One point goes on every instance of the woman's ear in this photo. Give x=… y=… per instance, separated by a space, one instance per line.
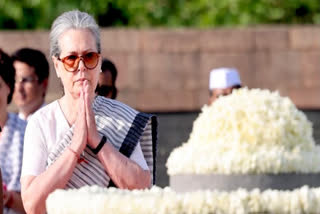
x=99 y=64
x=55 y=64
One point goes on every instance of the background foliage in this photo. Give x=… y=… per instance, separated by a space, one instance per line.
x=39 y=14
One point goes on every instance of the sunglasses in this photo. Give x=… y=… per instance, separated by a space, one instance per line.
x=104 y=90
x=71 y=62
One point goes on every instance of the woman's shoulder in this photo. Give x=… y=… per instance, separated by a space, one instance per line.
x=46 y=112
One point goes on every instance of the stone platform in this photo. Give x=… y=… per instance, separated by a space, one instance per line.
x=286 y=181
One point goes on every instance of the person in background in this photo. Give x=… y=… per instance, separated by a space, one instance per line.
x=222 y=82
x=107 y=80
x=83 y=139
x=32 y=73
x=11 y=140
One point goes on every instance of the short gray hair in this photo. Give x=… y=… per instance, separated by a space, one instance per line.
x=72 y=20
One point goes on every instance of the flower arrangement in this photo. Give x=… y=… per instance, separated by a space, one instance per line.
x=249 y=131
x=165 y=201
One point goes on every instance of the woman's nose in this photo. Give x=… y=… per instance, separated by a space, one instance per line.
x=81 y=66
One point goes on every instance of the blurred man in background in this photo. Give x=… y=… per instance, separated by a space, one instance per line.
x=222 y=82
x=107 y=80
x=32 y=73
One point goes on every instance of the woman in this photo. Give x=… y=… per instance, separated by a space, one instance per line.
x=82 y=139
x=11 y=140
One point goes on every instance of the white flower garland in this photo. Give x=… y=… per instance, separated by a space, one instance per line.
x=165 y=201
x=249 y=131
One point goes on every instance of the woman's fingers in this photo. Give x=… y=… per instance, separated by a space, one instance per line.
x=91 y=123
x=80 y=135
x=87 y=100
x=83 y=107
x=88 y=104
x=87 y=92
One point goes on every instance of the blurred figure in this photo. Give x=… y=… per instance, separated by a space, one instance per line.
x=32 y=73
x=222 y=82
x=11 y=140
x=107 y=80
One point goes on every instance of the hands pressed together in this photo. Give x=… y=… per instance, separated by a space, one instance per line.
x=85 y=130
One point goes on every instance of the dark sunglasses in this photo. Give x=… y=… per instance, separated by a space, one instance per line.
x=104 y=90
x=71 y=62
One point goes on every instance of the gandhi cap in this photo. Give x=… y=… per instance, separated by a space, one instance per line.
x=223 y=78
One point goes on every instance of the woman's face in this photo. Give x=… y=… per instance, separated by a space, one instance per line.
x=77 y=42
x=4 y=93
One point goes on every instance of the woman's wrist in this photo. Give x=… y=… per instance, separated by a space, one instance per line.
x=97 y=149
x=80 y=158
x=74 y=152
x=95 y=141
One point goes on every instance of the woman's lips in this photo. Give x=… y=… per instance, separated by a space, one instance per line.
x=80 y=81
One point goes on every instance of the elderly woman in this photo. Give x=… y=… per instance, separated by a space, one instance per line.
x=81 y=139
x=11 y=140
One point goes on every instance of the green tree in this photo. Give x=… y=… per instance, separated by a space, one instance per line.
x=34 y=14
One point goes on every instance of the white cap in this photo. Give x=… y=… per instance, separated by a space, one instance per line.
x=223 y=78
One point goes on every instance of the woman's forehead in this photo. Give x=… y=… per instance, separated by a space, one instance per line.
x=77 y=41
